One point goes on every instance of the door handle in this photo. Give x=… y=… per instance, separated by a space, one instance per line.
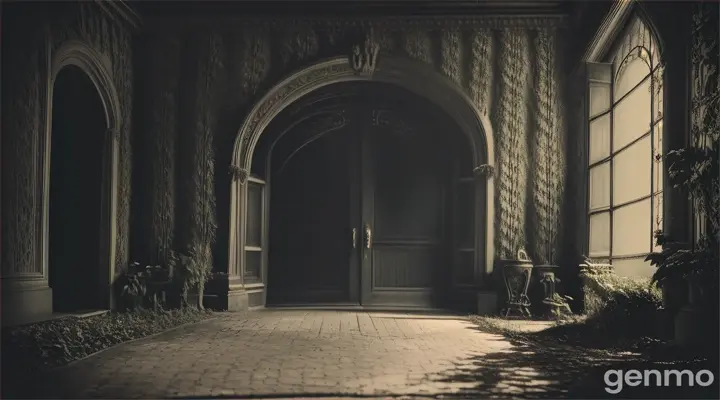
x=354 y=238
x=368 y=236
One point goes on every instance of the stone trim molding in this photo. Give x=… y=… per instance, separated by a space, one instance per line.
x=92 y=63
x=486 y=21
x=611 y=26
x=416 y=77
x=81 y=55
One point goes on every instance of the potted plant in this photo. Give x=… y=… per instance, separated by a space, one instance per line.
x=133 y=290
x=145 y=285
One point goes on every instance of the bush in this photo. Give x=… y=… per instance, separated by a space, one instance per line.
x=34 y=347
x=620 y=306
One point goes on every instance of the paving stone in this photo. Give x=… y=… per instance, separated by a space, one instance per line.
x=273 y=352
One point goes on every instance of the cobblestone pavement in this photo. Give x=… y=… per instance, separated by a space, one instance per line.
x=285 y=353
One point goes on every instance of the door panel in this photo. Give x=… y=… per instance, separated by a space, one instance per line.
x=403 y=194
x=310 y=243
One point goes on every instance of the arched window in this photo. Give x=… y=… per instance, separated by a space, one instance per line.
x=625 y=170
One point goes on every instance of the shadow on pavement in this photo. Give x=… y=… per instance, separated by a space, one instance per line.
x=537 y=370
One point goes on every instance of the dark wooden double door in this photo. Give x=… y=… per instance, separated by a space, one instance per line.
x=358 y=215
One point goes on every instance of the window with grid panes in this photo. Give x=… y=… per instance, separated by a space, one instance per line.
x=625 y=170
x=254 y=241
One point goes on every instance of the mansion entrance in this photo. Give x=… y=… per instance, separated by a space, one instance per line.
x=368 y=199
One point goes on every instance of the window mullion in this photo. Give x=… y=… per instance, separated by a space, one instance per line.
x=652 y=157
x=612 y=162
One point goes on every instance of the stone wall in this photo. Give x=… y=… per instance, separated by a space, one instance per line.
x=510 y=69
x=31 y=33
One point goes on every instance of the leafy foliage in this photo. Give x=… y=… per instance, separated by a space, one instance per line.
x=142 y=286
x=35 y=347
x=696 y=171
x=621 y=306
x=194 y=269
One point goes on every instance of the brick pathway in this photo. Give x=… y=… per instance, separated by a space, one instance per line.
x=284 y=353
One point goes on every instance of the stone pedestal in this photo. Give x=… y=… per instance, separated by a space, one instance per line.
x=237 y=299
x=228 y=293
x=23 y=299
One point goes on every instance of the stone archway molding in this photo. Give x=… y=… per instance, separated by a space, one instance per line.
x=414 y=76
x=97 y=67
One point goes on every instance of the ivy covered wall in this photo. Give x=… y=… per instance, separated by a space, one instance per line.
x=32 y=32
x=511 y=70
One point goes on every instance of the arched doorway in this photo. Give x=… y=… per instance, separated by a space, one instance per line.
x=367 y=203
x=248 y=203
x=77 y=150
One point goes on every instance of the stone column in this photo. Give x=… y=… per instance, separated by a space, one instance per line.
x=484 y=249
x=25 y=289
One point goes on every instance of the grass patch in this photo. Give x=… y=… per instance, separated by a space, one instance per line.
x=35 y=347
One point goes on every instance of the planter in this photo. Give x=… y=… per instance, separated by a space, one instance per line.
x=544 y=290
x=516 y=276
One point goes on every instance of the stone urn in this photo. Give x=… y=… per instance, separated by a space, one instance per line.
x=545 y=289
x=516 y=276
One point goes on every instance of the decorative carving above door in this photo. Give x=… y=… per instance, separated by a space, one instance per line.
x=363 y=57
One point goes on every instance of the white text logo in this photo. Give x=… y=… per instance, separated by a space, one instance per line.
x=615 y=379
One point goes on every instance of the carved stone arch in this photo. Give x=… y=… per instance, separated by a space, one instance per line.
x=96 y=66
x=414 y=76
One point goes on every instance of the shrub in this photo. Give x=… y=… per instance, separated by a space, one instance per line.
x=33 y=347
x=194 y=270
x=621 y=306
x=145 y=285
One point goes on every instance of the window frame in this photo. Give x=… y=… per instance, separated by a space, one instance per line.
x=252 y=279
x=655 y=74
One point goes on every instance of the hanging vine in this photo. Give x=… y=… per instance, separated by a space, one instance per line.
x=481 y=68
x=162 y=133
x=511 y=124
x=543 y=131
x=201 y=189
x=451 y=59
